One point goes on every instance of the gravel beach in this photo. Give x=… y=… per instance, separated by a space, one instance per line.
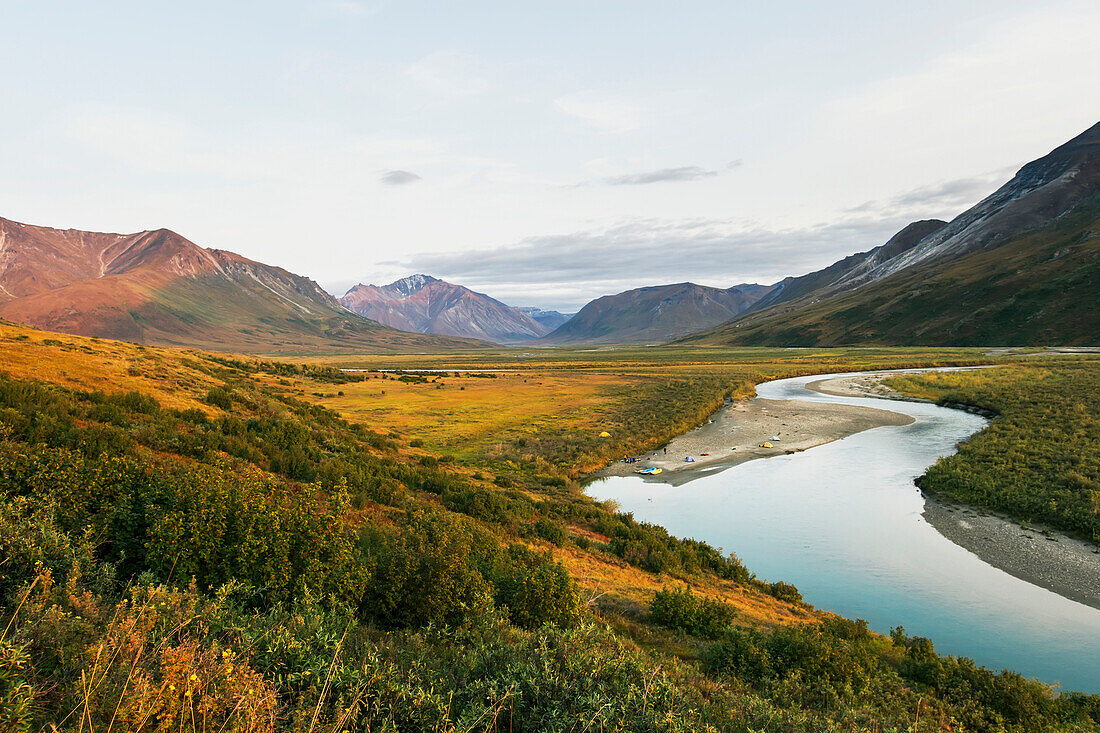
x=735 y=433
x=1041 y=556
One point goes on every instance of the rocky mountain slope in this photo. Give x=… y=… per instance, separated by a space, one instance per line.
x=156 y=287
x=425 y=304
x=1020 y=267
x=655 y=313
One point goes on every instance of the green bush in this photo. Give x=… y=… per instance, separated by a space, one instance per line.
x=680 y=609
x=785 y=592
x=536 y=590
x=551 y=531
x=220 y=397
x=427 y=573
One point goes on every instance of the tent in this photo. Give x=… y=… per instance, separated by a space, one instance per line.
x=605 y=434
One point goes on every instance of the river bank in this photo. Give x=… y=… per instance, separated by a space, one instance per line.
x=1049 y=559
x=736 y=433
x=845 y=524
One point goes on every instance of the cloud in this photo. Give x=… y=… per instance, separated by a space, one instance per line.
x=946 y=198
x=603 y=114
x=565 y=271
x=686 y=173
x=398 y=178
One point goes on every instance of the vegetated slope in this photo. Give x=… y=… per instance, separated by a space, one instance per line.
x=1039 y=288
x=656 y=313
x=157 y=287
x=1020 y=267
x=247 y=561
x=425 y=304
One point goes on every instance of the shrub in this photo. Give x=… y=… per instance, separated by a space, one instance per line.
x=536 y=590
x=551 y=531
x=427 y=572
x=680 y=609
x=785 y=592
x=220 y=397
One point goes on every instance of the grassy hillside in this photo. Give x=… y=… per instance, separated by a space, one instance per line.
x=1040 y=460
x=189 y=543
x=1039 y=288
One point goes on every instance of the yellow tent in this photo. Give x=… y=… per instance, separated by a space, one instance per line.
x=605 y=434
x=765 y=444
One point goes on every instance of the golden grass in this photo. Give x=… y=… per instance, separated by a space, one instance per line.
x=598 y=574
x=98 y=364
x=458 y=412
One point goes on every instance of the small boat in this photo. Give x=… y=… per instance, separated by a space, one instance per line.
x=652 y=471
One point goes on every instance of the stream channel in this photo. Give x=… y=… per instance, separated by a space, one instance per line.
x=843 y=522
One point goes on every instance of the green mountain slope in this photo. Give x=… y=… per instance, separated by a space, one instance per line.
x=1040 y=287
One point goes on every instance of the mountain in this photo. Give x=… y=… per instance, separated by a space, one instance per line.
x=1022 y=267
x=426 y=304
x=846 y=273
x=655 y=313
x=549 y=319
x=156 y=287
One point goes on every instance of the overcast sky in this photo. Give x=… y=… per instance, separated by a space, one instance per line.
x=543 y=152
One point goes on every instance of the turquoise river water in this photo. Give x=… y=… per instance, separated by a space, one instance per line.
x=843 y=522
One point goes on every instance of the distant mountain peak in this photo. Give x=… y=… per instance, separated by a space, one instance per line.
x=412 y=283
x=425 y=304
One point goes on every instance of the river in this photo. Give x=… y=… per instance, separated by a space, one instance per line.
x=843 y=522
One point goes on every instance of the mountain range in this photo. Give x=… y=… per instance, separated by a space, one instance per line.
x=1021 y=267
x=424 y=304
x=156 y=287
x=657 y=313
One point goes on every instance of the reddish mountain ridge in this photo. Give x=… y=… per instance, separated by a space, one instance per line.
x=426 y=304
x=158 y=287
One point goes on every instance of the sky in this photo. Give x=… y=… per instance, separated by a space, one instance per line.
x=545 y=153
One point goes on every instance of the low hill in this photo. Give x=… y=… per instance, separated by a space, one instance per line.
x=425 y=304
x=1022 y=267
x=655 y=313
x=156 y=287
